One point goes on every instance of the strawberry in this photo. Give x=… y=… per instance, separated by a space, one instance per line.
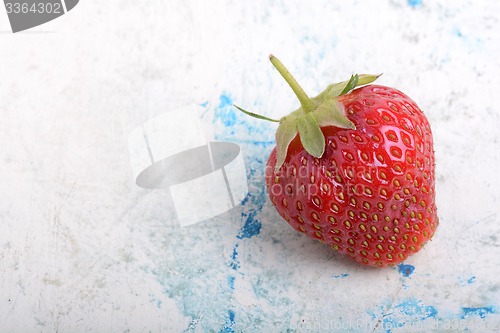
x=354 y=168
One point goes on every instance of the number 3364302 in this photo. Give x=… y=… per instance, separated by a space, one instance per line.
x=34 y=8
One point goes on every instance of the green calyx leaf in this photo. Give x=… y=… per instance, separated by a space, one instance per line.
x=351 y=84
x=338 y=89
x=255 y=115
x=311 y=136
x=286 y=132
x=314 y=113
x=331 y=113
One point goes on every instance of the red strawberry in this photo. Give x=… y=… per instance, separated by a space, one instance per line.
x=355 y=170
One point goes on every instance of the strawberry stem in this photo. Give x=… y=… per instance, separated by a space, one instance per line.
x=307 y=104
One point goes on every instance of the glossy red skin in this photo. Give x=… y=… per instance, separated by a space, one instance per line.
x=371 y=195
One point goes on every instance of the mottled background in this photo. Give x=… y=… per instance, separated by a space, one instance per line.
x=83 y=249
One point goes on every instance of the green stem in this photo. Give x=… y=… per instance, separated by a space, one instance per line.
x=305 y=101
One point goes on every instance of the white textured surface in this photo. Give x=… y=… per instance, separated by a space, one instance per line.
x=82 y=249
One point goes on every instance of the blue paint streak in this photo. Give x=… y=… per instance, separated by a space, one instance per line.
x=481 y=311
x=228 y=326
x=406 y=270
x=471 y=280
x=254 y=142
x=343 y=275
x=234 y=263
x=414 y=3
x=232 y=124
x=230 y=281
x=204 y=104
x=255 y=202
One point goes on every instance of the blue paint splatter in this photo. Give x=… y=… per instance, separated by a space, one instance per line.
x=234 y=256
x=228 y=326
x=464 y=282
x=406 y=270
x=343 y=275
x=237 y=127
x=414 y=3
x=403 y=313
x=225 y=112
x=414 y=307
x=481 y=311
x=204 y=104
x=252 y=225
x=225 y=101
x=410 y=311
